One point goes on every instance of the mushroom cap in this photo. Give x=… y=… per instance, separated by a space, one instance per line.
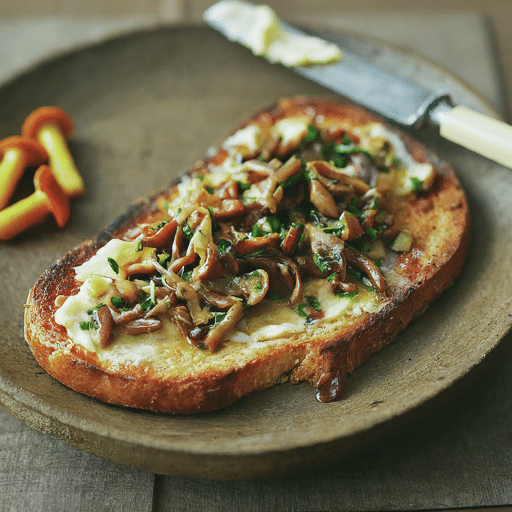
x=34 y=152
x=39 y=117
x=59 y=204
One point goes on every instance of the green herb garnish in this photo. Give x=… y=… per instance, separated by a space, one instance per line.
x=331 y=277
x=314 y=303
x=353 y=209
x=256 y=231
x=187 y=275
x=371 y=233
x=223 y=246
x=87 y=326
x=242 y=187
x=113 y=265
x=321 y=263
x=274 y=223
x=300 y=310
x=218 y=317
x=117 y=301
x=291 y=180
x=311 y=135
x=187 y=231
x=146 y=303
x=417 y=185
x=164 y=259
x=336 y=228
x=347 y=295
x=310 y=174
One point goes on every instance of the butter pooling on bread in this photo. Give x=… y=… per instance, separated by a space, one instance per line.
x=295 y=250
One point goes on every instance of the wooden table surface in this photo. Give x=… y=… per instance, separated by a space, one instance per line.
x=459 y=458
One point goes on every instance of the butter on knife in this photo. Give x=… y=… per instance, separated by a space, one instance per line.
x=258 y=28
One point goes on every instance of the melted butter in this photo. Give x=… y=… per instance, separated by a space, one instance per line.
x=258 y=28
x=248 y=138
x=74 y=311
x=292 y=129
x=270 y=322
x=123 y=252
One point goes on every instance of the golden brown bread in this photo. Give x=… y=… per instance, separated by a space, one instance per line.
x=166 y=371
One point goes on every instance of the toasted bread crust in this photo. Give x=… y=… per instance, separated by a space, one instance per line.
x=438 y=220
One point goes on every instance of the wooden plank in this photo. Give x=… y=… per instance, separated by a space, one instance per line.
x=458 y=458
x=39 y=473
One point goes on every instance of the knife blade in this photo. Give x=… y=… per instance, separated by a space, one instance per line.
x=402 y=101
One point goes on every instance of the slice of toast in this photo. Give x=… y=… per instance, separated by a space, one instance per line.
x=299 y=247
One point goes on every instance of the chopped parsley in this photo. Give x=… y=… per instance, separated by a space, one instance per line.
x=331 y=277
x=256 y=231
x=146 y=303
x=300 y=310
x=274 y=223
x=218 y=317
x=118 y=302
x=310 y=174
x=291 y=180
x=223 y=246
x=311 y=135
x=347 y=295
x=187 y=231
x=371 y=233
x=187 y=275
x=417 y=185
x=339 y=153
x=87 y=326
x=321 y=263
x=242 y=187
x=113 y=265
x=314 y=302
x=337 y=228
x=353 y=209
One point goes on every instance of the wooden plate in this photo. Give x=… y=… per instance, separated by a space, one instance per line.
x=148 y=105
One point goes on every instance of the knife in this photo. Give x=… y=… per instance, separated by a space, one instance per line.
x=404 y=102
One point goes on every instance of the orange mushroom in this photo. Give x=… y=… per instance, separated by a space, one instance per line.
x=51 y=126
x=48 y=198
x=16 y=154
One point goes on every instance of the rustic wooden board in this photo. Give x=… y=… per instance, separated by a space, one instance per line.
x=453 y=459
x=43 y=474
x=147 y=102
x=421 y=471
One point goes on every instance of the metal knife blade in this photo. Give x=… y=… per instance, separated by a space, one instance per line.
x=404 y=102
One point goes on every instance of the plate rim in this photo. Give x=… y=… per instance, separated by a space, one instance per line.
x=16 y=406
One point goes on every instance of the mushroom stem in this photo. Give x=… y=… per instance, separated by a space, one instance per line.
x=11 y=170
x=23 y=214
x=61 y=161
x=18 y=154
x=47 y=198
x=52 y=127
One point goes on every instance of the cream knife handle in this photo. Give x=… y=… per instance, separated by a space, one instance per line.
x=478 y=132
